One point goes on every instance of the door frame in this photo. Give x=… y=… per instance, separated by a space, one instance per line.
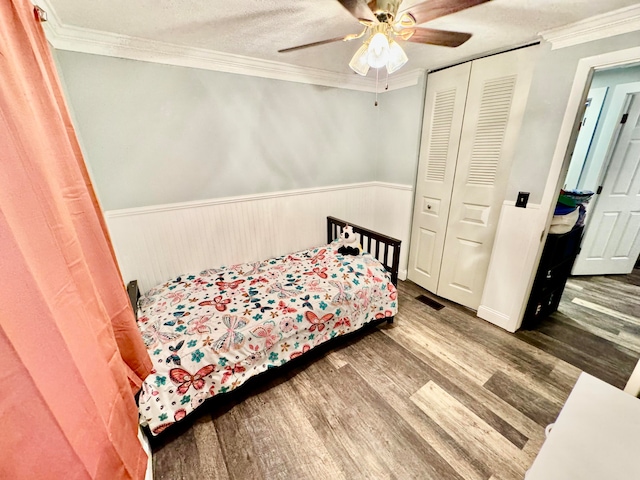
x=609 y=126
x=598 y=100
x=562 y=157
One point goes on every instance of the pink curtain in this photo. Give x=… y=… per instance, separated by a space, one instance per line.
x=72 y=357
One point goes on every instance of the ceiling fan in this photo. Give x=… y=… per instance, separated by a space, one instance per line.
x=384 y=23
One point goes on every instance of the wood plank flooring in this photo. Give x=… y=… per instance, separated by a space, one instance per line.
x=437 y=395
x=596 y=327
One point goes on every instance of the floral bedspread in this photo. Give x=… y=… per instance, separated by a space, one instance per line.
x=208 y=333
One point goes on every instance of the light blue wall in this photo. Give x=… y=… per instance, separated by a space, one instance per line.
x=155 y=134
x=400 y=127
x=604 y=78
x=615 y=76
x=546 y=105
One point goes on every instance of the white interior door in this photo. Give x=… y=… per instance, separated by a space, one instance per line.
x=611 y=244
x=496 y=99
x=443 y=114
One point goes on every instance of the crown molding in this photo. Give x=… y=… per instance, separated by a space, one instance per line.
x=84 y=40
x=608 y=24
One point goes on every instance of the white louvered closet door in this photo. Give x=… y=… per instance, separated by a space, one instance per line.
x=496 y=98
x=443 y=114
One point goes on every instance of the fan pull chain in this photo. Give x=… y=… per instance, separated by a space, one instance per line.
x=377 y=72
x=387 y=81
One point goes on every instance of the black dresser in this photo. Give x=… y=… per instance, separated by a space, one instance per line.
x=558 y=256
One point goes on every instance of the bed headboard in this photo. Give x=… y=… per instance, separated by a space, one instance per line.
x=383 y=245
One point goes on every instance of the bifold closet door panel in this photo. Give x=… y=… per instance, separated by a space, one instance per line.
x=496 y=99
x=443 y=115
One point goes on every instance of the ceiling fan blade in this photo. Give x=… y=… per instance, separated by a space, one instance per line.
x=359 y=9
x=314 y=44
x=432 y=9
x=435 y=37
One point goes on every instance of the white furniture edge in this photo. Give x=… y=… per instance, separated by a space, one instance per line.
x=84 y=40
x=246 y=198
x=146 y=446
x=595 y=436
x=633 y=384
x=608 y=24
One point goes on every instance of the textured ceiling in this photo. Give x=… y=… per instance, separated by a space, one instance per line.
x=259 y=28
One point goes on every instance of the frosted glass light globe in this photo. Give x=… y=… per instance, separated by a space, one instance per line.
x=397 y=57
x=378 y=51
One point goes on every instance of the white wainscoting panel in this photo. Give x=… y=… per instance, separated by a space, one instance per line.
x=393 y=209
x=154 y=244
x=516 y=245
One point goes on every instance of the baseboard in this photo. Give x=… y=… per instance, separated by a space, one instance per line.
x=495 y=317
x=402 y=274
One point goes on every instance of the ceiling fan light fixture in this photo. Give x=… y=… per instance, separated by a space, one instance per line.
x=378 y=50
x=397 y=57
x=359 y=62
x=406 y=20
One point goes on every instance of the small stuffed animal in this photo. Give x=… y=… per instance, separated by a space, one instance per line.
x=350 y=244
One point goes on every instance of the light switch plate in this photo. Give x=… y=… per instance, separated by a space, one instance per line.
x=523 y=199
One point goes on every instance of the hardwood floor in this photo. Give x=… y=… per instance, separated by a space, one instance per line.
x=440 y=394
x=596 y=327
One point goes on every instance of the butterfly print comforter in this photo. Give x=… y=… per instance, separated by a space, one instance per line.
x=210 y=332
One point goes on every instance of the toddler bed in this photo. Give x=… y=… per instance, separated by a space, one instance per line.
x=209 y=332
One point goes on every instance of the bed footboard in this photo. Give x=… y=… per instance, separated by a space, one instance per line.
x=134 y=295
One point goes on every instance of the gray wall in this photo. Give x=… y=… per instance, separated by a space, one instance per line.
x=400 y=128
x=155 y=134
x=548 y=98
x=615 y=76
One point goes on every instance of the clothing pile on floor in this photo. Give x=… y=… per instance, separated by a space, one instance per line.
x=570 y=211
